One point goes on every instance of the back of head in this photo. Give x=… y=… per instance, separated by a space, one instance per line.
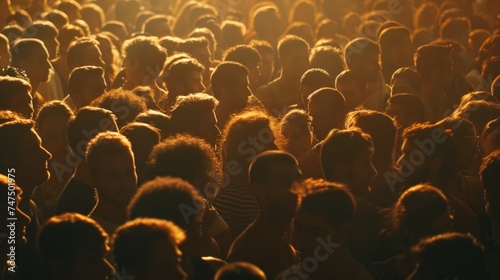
x=358 y=49
x=451 y=256
x=244 y=54
x=23 y=50
x=123 y=103
x=341 y=147
x=290 y=43
x=328 y=58
x=495 y=87
x=80 y=77
x=430 y=57
x=262 y=164
x=75 y=50
x=410 y=103
x=147 y=51
x=316 y=78
x=134 y=242
x=331 y=201
x=225 y=74
x=491 y=69
x=11 y=134
x=479 y=112
x=88 y=122
x=62 y=238
x=52 y=108
x=411 y=77
x=41 y=30
x=188 y=111
x=10 y=87
x=178 y=71
x=331 y=98
x=239 y=271
x=168 y=198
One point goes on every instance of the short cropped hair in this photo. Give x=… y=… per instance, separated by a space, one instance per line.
x=243 y=54
x=259 y=169
x=358 y=48
x=289 y=43
x=79 y=77
x=62 y=238
x=9 y=87
x=430 y=57
x=147 y=51
x=185 y=115
x=225 y=74
x=123 y=103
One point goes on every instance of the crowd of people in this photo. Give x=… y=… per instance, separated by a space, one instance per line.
x=248 y=139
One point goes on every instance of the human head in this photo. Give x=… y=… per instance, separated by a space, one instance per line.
x=479 y=112
x=250 y=58
x=491 y=68
x=147 y=249
x=296 y=132
x=93 y=14
x=111 y=165
x=32 y=56
x=495 y=87
x=233 y=33
x=435 y=66
x=47 y=32
x=195 y=114
x=71 y=9
x=421 y=211
x=267 y=23
x=406 y=80
x=57 y=17
x=230 y=85
x=21 y=149
x=272 y=174
x=406 y=109
x=73 y=246
x=267 y=54
x=449 y=256
x=156 y=119
x=352 y=88
x=51 y=125
x=396 y=49
x=84 y=51
x=361 y=56
x=327 y=111
x=15 y=95
x=144 y=59
x=382 y=130
x=5 y=55
x=346 y=157
x=327 y=58
x=312 y=80
x=67 y=34
x=198 y=48
x=477 y=95
x=157 y=25
x=123 y=103
x=183 y=77
x=85 y=125
x=85 y=84
x=489 y=140
x=293 y=53
x=489 y=174
x=174 y=200
x=239 y=271
x=456 y=28
x=126 y=11
x=325 y=213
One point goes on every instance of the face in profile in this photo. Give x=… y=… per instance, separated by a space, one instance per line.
x=32 y=161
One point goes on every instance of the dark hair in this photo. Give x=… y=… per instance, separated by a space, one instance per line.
x=167 y=198
x=243 y=54
x=316 y=78
x=359 y=48
x=10 y=87
x=288 y=44
x=410 y=76
x=225 y=74
x=50 y=109
x=429 y=58
x=75 y=49
x=41 y=29
x=133 y=242
x=186 y=114
x=332 y=201
x=156 y=119
x=62 y=238
x=411 y=103
x=178 y=72
x=147 y=51
x=23 y=50
x=260 y=167
x=479 y=112
x=123 y=103
x=79 y=77
x=328 y=58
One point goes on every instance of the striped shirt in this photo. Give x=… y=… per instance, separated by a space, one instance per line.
x=237 y=206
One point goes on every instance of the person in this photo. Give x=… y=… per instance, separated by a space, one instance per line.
x=199 y=49
x=352 y=88
x=85 y=84
x=47 y=32
x=347 y=158
x=15 y=95
x=327 y=58
x=157 y=25
x=143 y=138
x=111 y=165
x=266 y=52
x=449 y=256
x=406 y=80
x=420 y=212
x=322 y=226
x=435 y=66
x=5 y=55
x=73 y=246
x=487 y=140
x=439 y=168
x=182 y=77
x=51 y=125
x=194 y=114
x=284 y=91
x=267 y=24
x=272 y=175
x=79 y=195
x=312 y=80
x=148 y=249
x=361 y=57
x=396 y=50
x=194 y=160
x=231 y=88
x=177 y=201
x=244 y=137
x=10 y=195
x=382 y=130
x=250 y=58
x=489 y=177
x=240 y=271
x=143 y=62
x=296 y=132
x=32 y=56
x=326 y=110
